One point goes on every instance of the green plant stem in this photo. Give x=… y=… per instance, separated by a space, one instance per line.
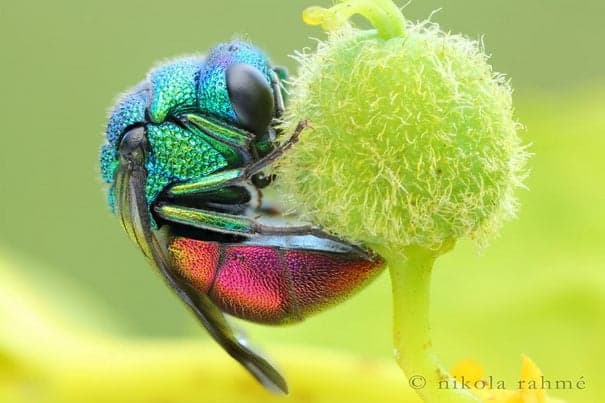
x=410 y=280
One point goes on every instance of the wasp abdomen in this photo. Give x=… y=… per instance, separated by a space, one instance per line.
x=267 y=284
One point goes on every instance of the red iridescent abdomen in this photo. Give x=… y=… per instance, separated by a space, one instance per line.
x=269 y=284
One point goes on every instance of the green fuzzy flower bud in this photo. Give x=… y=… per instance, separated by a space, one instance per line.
x=413 y=139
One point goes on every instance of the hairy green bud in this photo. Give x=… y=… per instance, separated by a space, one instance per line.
x=412 y=139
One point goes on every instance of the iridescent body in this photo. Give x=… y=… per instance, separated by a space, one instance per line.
x=269 y=284
x=183 y=158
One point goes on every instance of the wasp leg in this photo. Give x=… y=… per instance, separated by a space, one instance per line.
x=132 y=208
x=234 y=177
x=219 y=131
x=208 y=184
x=206 y=219
x=277 y=152
x=237 y=224
x=229 y=223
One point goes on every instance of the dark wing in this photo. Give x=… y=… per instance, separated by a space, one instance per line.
x=132 y=209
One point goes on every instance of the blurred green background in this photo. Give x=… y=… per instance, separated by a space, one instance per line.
x=538 y=289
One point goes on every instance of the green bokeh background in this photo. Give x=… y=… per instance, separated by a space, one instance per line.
x=538 y=289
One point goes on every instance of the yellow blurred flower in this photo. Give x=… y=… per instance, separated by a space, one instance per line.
x=529 y=384
x=47 y=356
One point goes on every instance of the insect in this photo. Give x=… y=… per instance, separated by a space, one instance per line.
x=184 y=157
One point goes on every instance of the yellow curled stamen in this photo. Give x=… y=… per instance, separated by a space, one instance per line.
x=382 y=14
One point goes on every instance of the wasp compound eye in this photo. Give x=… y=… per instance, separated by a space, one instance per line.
x=250 y=96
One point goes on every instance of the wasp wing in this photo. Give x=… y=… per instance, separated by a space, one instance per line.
x=132 y=209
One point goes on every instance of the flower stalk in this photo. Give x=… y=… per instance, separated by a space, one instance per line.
x=410 y=281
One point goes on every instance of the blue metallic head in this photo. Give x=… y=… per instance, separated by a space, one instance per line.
x=233 y=86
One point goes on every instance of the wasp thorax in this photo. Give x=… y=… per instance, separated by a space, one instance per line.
x=413 y=140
